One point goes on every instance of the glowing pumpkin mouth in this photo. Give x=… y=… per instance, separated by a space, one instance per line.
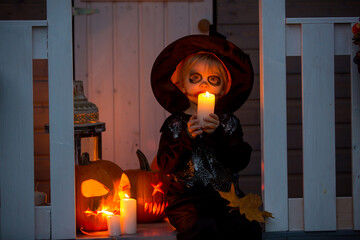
x=154 y=208
x=89 y=212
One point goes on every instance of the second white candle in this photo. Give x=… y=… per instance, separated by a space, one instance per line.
x=128 y=215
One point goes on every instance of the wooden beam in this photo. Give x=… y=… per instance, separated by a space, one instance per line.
x=273 y=112
x=61 y=119
x=318 y=127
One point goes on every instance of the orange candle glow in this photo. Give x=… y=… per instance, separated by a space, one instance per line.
x=206 y=105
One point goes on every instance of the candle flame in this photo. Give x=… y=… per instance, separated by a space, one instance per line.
x=126 y=196
x=207 y=94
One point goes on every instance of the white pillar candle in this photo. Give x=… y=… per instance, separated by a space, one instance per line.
x=206 y=105
x=128 y=215
x=113 y=223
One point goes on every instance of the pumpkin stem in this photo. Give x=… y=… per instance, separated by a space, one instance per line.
x=144 y=163
x=85 y=159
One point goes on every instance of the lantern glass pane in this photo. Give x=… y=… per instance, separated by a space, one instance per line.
x=90 y=145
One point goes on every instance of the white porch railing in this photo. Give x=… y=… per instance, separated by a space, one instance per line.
x=20 y=42
x=316 y=40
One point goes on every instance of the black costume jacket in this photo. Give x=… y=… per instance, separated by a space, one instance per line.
x=208 y=160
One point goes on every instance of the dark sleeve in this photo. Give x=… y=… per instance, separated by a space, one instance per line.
x=232 y=151
x=174 y=149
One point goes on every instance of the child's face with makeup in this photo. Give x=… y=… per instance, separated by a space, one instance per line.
x=201 y=78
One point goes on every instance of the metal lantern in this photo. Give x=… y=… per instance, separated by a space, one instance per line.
x=87 y=128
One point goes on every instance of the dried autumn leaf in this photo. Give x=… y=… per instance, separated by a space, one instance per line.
x=231 y=197
x=248 y=205
x=267 y=214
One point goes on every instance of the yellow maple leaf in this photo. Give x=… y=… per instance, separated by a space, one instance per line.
x=248 y=205
x=231 y=197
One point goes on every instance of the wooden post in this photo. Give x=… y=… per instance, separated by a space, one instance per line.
x=273 y=112
x=318 y=127
x=355 y=136
x=61 y=119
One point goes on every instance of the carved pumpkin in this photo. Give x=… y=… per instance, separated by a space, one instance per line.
x=149 y=187
x=99 y=187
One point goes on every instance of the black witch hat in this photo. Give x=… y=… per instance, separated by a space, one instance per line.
x=236 y=61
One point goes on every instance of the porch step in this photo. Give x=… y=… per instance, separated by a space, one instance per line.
x=148 y=231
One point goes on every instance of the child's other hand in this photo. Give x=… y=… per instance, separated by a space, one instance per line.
x=193 y=127
x=211 y=123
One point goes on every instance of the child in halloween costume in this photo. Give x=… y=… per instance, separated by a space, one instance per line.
x=202 y=160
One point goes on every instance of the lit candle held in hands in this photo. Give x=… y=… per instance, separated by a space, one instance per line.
x=206 y=105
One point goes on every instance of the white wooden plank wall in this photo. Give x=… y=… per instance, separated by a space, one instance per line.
x=115 y=59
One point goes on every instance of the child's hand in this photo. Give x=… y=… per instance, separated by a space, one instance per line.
x=193 y=127
x=211 y=123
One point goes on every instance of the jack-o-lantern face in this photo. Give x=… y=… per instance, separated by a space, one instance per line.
x=149 y=187
x=99 y=187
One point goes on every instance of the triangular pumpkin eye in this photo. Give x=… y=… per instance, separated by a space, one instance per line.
x=124 y=186
x=93 y=188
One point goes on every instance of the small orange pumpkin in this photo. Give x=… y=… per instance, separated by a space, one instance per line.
x=149 y=187
x=99 y=186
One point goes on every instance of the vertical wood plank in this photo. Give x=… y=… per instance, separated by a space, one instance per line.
x=355 y=136
x=61 y=119
x=176 y=12
x=293 y=40
x=126 y=84
x=151 y=43
x=318 y=127
x=136 y=33
x=273 y=112
x=296 y=214
x=200 y=10
x=342 y=34
x=17 y=136
x=80 y=46
x=101 y=71
x=42 y=222
x=39 y=41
